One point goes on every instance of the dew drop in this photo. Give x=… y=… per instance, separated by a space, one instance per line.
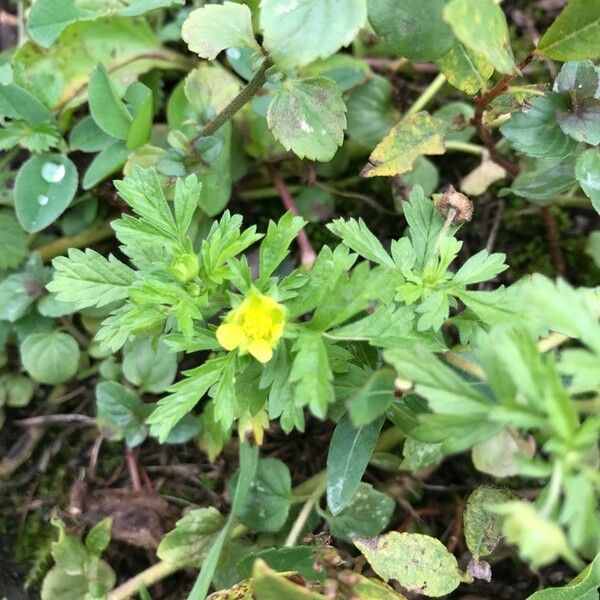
x=234 y=53
x=53 y=172
x=42 y=200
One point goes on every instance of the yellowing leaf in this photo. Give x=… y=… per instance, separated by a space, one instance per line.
x=270 y=585
x=414 y=136
x=418 y=562
x=465 y=69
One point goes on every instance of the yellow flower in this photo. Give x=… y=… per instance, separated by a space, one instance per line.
x=255 y=326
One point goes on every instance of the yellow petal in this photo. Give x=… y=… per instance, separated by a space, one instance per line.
x=230 y=336
x=261 y=350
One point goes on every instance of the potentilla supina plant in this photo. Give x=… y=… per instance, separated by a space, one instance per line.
x=254 y=327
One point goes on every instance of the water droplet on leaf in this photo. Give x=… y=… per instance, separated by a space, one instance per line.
x=43 y=200
x=53 y=172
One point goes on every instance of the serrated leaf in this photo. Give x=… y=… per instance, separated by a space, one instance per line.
x=481 y=26
x=213 y=28
x=414 y=29
x=414 y=136
x=51 y=357
x=44 y=188
x=308 y=117
x=106 y=107
x=483 y=528
x=184 y=395
x=274 y=247
x=535 y=132
x=14 y=243
x=297 y=33
x=358 y=237
x=587 y=171
x=464 y=69
x=349 y=452
x=189 y=542
x=574 y=33
x=311 y=374
x=480 y=267
x=88 y=279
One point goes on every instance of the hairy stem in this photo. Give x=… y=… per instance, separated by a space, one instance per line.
x=247 y=93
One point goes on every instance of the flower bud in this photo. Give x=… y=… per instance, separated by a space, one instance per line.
x=185 y=267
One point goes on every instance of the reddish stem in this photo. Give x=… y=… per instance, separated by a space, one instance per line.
x=307 y=254
x=132 y=467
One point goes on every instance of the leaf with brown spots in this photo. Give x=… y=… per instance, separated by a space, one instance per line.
x=418 y=562
x=414 y=136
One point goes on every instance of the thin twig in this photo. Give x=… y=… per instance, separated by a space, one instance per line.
x=553 y=237
x=132 y=467
x=47 y=419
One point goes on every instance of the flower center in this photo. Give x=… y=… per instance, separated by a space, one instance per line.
x=257 y=325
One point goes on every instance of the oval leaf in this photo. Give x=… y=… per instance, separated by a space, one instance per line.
x=51 y=357
x=44 y=188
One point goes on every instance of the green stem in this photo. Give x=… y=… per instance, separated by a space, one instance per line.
x=428 y=94
x=554 y=490
x=149 y=577
x=464 y=147
x=81 y=240
x=303 y=515
x=574 y=201
x=247 y=93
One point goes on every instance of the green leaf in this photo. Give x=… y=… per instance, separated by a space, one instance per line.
x=51 y=357
x=547 y=179
x=587 y=171
x=412 y=137
x=444 y=389
x=419 y=455
x=88 y=279
x=358 y=237
x=59 y=584
x=349 y=452
x=371 y=400
x=374 y=589
x=267 y=503
x=14 y=243
x=140 y=7
x=143 y=192
x=88 y=137
x=224 y=395
x=419 y=563
x=269 y=585
x=371 y=111
x=106 y=107
x=15 y=297
x=121 y=410
x=483 y=528
x=414 y=29
x=368 y=513
x=298 y=33
x=465 y=69
x=18 y=103
x=184 y=395
x=583 y=587
x=98 y=537
x=480 y=267
x=308 y=117
x=580 y=78
x=44 y=188
x=190 y=541
x=248 y=466
x=311 y=374
x=49 y=18
x=210 y=86
x=274 y=247
x=148 y=365
x=582 y=121
x=110 y=160
x=481 y=26
x=214 y=28
x=574 y=33
x=300 y=559
x=535 y=131
x=139 y=97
